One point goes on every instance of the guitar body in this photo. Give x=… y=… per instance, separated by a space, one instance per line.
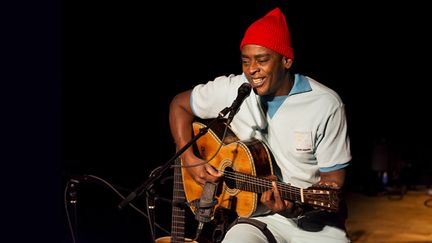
x=249 y=157
x=167 y=239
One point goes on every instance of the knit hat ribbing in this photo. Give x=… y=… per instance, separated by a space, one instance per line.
x=270 y=31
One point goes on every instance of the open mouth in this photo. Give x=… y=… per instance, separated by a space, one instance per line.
x=257 y=82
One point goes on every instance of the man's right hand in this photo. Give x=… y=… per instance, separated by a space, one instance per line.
x=201 y=173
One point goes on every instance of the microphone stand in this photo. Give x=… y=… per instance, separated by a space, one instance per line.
x=147 y=185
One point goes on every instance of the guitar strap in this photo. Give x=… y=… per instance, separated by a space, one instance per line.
x=314 y=220
x=223 y=218
x=260 y=225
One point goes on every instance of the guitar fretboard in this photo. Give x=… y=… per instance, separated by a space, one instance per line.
x=178 y=212
x=251 y=183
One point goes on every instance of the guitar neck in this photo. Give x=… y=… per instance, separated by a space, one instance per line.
x=178 y=212
x=318 y=197
x=255 y=184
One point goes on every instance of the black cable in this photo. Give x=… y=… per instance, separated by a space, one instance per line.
x=71 y=228
x=123 y=197
x=70 y=224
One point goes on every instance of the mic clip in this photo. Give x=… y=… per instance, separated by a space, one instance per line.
x=224 y=112
x=204 y=210
x=205 y=205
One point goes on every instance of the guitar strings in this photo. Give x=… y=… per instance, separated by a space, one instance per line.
x=259 y=182
x=178 y=213
x=286 y=190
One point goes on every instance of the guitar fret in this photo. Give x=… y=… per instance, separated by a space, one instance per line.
x=301 y=196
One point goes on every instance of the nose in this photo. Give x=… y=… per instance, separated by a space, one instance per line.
x=253 y=67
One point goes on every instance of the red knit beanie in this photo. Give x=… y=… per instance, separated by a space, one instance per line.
x=270 y=31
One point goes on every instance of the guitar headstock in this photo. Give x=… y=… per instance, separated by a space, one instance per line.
x=322 y=197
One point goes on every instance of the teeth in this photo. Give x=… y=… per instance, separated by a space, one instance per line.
x=257 y=81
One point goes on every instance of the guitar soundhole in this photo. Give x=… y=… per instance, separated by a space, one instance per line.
x=229 y=181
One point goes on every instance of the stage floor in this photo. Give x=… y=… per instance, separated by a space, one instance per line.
x=384 y=217
x=390 y=217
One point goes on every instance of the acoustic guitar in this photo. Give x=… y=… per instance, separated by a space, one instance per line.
x=178 y=212
x=244 y=165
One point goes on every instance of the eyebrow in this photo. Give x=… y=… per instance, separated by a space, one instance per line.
x=258 y=55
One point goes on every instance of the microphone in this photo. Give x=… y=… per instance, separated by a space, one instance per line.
x=243 y=91
x=205 y=208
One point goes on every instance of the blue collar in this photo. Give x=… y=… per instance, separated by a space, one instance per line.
x=272 y=104
x=301 y=85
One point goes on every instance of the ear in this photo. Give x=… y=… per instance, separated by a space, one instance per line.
x=287 y=62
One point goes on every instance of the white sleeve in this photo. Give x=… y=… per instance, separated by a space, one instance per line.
x=208 y=99
x=334 y=145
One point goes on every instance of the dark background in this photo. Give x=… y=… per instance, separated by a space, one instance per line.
x=108 y=71
x=123 y=63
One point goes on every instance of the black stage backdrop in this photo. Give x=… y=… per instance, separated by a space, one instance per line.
x=122 y=62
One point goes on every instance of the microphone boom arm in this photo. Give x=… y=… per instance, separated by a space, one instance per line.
x=157 y=173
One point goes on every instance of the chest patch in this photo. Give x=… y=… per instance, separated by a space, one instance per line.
x=303 y=142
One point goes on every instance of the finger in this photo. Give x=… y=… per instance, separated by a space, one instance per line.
x=271 y=177
x=288 y=204
x=213 y=172
x=329 y=184
x=199 y=181
x=334 y=185
x=275 y=191
x=266 y=197
x=279 y=205
x=211 y=178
